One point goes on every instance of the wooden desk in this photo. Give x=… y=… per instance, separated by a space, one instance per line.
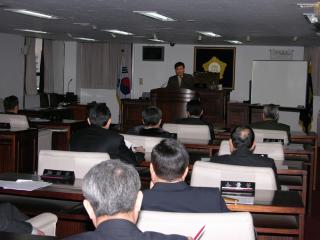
x=64 y=130
x=63 y=200
x=275 y=202
x=18 y=150
x=54 y=114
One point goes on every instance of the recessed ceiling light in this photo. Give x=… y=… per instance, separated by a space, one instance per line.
x=116 y=31
x=156 y=40
x=306 y=5
x=155 y=15
x=209 y=34
x=85 y=39
x=31 y=13
x=311 y=17
x=31 y=30
x=234 y=41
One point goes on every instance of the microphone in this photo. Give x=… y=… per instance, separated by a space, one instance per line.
x=69 y=83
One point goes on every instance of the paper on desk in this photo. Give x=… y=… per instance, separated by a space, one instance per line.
x=24 y=185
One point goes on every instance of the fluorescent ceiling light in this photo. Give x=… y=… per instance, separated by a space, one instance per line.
x=116 y=31
x=209 y=34
x=156 y=40
x=234 y=41
x=32 y=31
x=31 y=13
x=306 y=5
x=85 y=39
x=155 y=15
x=311 y=17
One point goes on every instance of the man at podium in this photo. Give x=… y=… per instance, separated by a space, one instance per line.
x=181 y=79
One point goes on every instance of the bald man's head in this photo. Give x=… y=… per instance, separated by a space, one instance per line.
x=242 y=136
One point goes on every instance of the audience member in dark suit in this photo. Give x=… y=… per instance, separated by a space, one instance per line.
x=270 y=117
x=151 y=119
x=11 y=105
x=169 y=192
x=195 y=112
x=242 y=144
x=98 y=138
x=181 y=79
x=12 y=220
x=113 y=201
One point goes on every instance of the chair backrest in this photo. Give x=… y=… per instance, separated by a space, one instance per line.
x=185 y=131
x=208 y=174
x=32 y=101
x=264 y=135
x=15 y=120
x=226 y=226
x=274 y=150
x=79 y=162
x=147 y=142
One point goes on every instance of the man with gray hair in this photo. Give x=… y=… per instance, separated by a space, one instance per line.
x=270 y=118
x=112 y=201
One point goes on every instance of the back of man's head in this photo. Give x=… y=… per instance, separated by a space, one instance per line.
x=271 y=112
x=98 y=114
x=169 y=159
x=151 y=116
x=242 y=136
x=111 y=187
x=10 y=103
x=194 y=108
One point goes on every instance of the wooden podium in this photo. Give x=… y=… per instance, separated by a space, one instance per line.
x=173 y=104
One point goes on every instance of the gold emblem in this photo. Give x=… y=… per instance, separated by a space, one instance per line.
x=214 y=65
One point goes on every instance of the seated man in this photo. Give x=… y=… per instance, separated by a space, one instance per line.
x=270 y=118
x=12 y=220
x=113 y=201
x=151 y=119
x=242 y=144
x=169 y=192
x=98 y=138
x=11 y=105
x=195 y=112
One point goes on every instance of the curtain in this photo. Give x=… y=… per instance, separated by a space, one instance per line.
x=30 y=67
x=312 y=54
x=53 y=52
x=48 y=62
x=98 y=64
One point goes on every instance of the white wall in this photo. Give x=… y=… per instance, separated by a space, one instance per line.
x=11 y=66
x=154 y=74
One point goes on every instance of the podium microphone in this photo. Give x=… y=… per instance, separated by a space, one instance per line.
x=69 y=84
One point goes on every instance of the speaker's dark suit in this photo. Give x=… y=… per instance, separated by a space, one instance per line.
x=244 y=157
x=180 y=197
x=98 y=139
x=118 y=229
x=197 y=121
x=187 y=82
x=12 y=220
x=151 y=132
x=272 y=125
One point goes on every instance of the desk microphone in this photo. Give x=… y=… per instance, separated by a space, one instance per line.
x=69 y=84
